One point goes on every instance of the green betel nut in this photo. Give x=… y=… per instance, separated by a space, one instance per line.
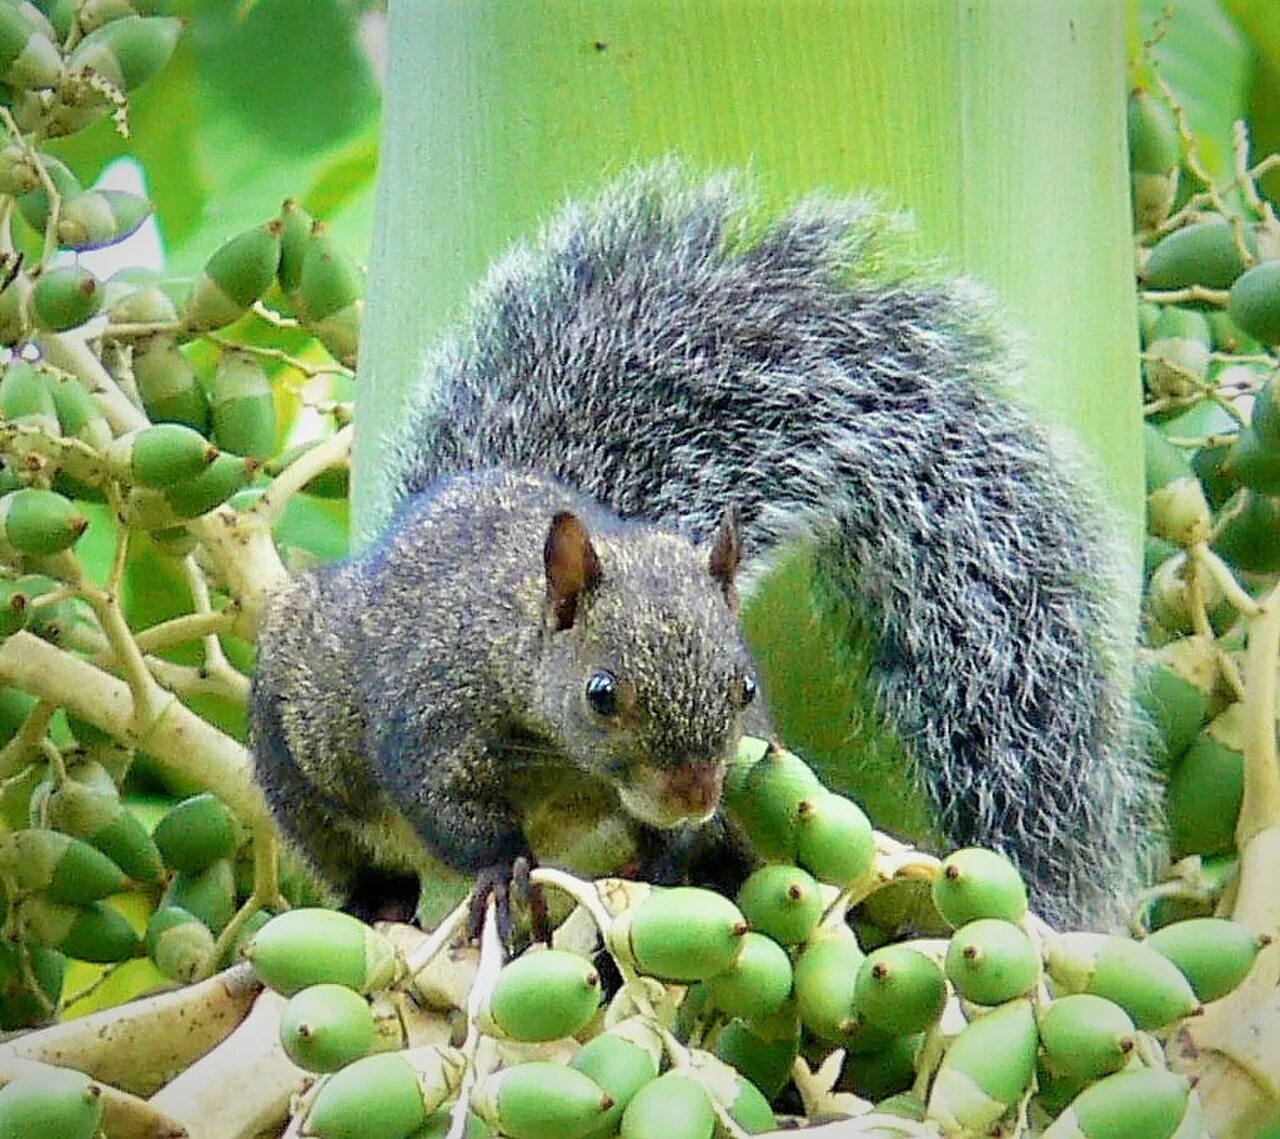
x=387 y=1094
x=757 y=983
x=233 y=278
x=990 y=961
x=1175 y=684
x=295 y=234
x=1145 y=1104
x=219 y=481
x=740 y=1098
x=99 y=218
x=621 y=1061
x=66 y=869
x=162 y=455
x=899 y=990
x=985 y=1071
x=100 y=934
x=681 y=934
x=167 y=383
x=58 y=1103
x=541 y=1100
x=544 y=996
x=976 y=883
x=766 y=799
x=210 y=893
x=28 y=58
x=834 y=839
x=1085 y=1037
x=1254 y=304
x=65 y=297
x=674 y=1106
x=313 y=946
x=326 y=1027
x=1206 y=788
x=1214 y=954
x=197 y=832
x=242 y=407
x=129 y=51
x=826 y=973
x=97 y=815
x=1204 y=253
x=782 y=902
x=180 y=945
x=26 y=396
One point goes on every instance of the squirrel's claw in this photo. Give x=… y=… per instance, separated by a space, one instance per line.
x=502 y=883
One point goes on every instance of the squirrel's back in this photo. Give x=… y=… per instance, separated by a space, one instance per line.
x=667 y=351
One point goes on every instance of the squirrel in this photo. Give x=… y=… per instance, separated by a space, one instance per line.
x=651 y=360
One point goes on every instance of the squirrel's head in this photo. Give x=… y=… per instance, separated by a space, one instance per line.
x=647 y=676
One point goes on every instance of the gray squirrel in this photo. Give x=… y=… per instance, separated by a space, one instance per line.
x=660 y=356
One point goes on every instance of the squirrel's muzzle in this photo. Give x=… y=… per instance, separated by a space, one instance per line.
x=670 y=797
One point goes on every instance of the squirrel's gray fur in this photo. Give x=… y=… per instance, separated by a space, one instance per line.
x=668 y=351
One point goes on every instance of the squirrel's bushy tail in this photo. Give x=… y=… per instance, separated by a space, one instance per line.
x=669 y=351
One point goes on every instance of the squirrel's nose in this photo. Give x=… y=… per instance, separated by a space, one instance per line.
x=694 y=788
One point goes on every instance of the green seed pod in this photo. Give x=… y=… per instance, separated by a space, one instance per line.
x=1265 y=417
x=757 y=983
x=1147 y=1103
x=1253 y=463
x=100 y=934
x=1146 y=985
x=1254 y=304
x=740 y=1098
x=899 y=990
x=233 y=278
x=1085 y=1037
x=13 y=608
x=543 y=996
x=826 y=973
x=1250 y=537
x=34 y=205
x=311 y=946
x=885 y=1071
x=990 y=961
x=79 y=414
x=1176 y=362
x=621 y=1061
x=1175 y=684
x=976 y=883
x=28 y=58
x=328 y=296
x=243 y=409
x=223 y=477
x=99 y=218
x=210 y=894
x=540 y=1100
x=834 y=839
x=680 y=934
x=326 y=1027
x=781 y=901
x=1155 y=152
x=65 y=297
x=1176 y=506
x=295 y=236
x=18 y=173
x=674 y=1106
x=44 y=922
x=198 y=832
x=1206 y=788
x=26 y=396
x=765 y=1060
x=766 y=800
x=985 y=1071
x=179 y=944
x=1203 y=253
x=58 y=1102
x=167 y=383
x=1214 y=954
x=30 y=984
x=162 y=455
x=389 y=1093
x=102 y=820
x=66 y=869
x=129 y=51
x=144 y=304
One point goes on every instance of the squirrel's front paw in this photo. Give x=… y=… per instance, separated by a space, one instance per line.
x=503 y=883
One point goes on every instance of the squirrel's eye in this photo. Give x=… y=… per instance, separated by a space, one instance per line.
x=748 y=688
x=602 y=693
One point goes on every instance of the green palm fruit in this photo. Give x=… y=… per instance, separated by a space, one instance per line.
x=44 y=922
x=57 y=623
x=1176 y=361
x=985 y=1071
x=235 y=277
x=1176 y=682
x=100 y=934
x=66 y=869
x=763 y=1050
x=1146 y=985
x=884 y=1071
x=1155 y=153
x=834 y=839
x=1176 y=506
x=781 y=901
x=1253 y=463
x=101 y=819
x=1265 y=416
x=744 y=1103
x=825 y=975
x=313 y=946
x=242 y=407
x=385 y=1096
x=65 y=297
x=26 y=396
x=680 y=934
x=1206 y=788
x=326 y=1027
x=197 y=832
x=28 y=58
x=235 y=951
x=1085 y=1037
x=13 y=608
x=899 y=990
x=976 y=883
x=167 y=383
x=22 y=966
x=179 y=944
x=15 y=316
x=18 y=173
x=1214 y=954
x=621 y=1061
x=34 y=205
x=1254 y=304
x=162 y=455
x=543 y=996
x=99 y=218
x=1202 y=253
x=129 y=51
x=58 y=1102
x=79 y=414
x=541 y=1100
x=142 y=304
x=328 y=296
x=757 y=983
x=295 y=235
x=1249 y=537
x=221 y=479
x=1148 y=1103
x=990 y=961
x=674 y=1106
x=210 y=893
x=765 y=799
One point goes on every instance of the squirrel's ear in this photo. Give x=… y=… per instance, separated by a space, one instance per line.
x=572 y=567
x=726 y=554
